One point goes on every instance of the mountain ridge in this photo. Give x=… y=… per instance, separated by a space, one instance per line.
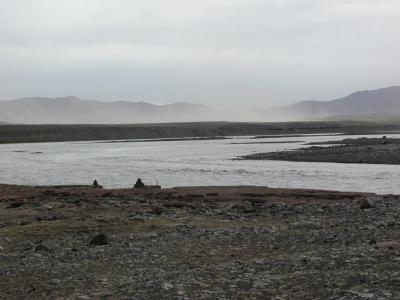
x=378 y=101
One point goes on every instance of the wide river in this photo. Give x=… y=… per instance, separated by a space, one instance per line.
x=187 y=163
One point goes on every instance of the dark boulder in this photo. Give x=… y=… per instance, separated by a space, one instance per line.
x=41 y=248
x=15 y=205
x=99 y=240
x=365 y=204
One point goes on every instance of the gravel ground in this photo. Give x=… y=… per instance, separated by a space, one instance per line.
x=363 y=151
x=197 y=243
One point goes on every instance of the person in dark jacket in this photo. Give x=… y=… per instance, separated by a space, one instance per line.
x=139 y=183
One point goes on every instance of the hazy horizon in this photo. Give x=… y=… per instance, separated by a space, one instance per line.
x=214 y=105
x=217 y=53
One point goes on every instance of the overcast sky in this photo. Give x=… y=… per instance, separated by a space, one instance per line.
x=219 y=52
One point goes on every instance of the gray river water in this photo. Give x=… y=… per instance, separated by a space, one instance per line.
x=186 y=163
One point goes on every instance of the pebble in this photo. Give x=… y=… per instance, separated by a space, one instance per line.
x=168 y=286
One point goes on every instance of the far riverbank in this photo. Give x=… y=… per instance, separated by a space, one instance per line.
x=64 y=133
x=360 y=151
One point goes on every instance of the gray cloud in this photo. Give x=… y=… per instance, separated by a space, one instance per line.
x=219 y=52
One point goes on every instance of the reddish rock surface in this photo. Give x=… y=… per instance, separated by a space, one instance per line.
x=223 y=195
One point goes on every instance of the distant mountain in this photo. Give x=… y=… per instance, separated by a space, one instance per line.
x=385 y=101
x=381 y=104
x=72 y=110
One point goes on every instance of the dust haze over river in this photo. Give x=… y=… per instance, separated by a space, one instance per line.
x=187 y=163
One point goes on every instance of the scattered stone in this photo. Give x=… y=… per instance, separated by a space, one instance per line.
x=363 y=295
x=99 y=240
x=156 y=211
x=41 y=248
x=168 y=286
x=46 y=206
x=374 y=199
x=24 y=222
x=212 y=194
x=304 y=225
x=365 y=204
x=14 y=205
x=106 y=194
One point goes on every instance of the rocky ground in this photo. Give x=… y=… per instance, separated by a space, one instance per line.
x=363 y=151
x=197 y=243
x=361 y=142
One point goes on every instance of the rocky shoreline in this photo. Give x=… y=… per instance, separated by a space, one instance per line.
x=82 y=242
x=360 y=151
